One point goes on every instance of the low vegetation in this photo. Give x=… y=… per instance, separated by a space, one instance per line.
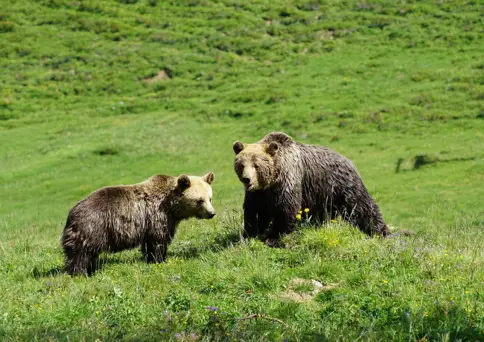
x=96 y=93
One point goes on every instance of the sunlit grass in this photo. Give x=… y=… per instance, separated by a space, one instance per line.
x=395 y=86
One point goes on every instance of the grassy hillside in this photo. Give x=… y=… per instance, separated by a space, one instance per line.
x=96 y=93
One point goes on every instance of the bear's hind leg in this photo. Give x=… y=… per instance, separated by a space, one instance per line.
x=372 y=225
x=367 y=218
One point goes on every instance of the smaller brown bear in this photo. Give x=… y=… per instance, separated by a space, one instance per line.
x=116 y=218
x=282 y=176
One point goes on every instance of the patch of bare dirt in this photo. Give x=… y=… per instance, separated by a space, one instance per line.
x=304 y=290
x=160 y=76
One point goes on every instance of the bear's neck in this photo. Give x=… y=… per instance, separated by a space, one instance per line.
x=171 y=204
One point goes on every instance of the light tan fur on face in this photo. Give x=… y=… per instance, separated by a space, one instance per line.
x=197 y=198
x=253 y=166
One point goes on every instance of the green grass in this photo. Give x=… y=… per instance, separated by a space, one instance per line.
x=382 y=82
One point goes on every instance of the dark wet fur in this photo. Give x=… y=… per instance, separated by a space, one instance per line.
x=116 y=218
x=314 y=177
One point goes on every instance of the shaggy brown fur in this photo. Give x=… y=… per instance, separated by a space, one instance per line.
x=282 y=176
x=116 y=218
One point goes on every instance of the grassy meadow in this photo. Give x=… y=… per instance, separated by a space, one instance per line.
x=96 y=93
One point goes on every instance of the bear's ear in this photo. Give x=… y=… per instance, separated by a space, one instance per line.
x=238 y=146
x=183 y=182
x=209 y=177
x=272 y=148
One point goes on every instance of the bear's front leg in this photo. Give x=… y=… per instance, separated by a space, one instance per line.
x=156 y=252
x=285 y=210
x=256 y=214
x=250 y=221
x=284 y=223
x=78 y=262
x=93 y=264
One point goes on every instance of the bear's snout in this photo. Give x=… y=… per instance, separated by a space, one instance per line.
x=248 y=184
x=206 y=215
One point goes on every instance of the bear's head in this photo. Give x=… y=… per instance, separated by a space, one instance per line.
x=196 y=196
x=255 y=164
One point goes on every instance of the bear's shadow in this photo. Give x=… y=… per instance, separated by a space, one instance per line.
x=110 y=259
x=54 y=271
x=186 y=252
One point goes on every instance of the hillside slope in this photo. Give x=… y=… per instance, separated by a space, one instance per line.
x=96 y=93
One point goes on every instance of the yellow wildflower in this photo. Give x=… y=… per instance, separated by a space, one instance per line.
x=426 y=314
x=306 y=210
x=385 y=281
x=299 y=212
x=298 y=216
x=334 y=221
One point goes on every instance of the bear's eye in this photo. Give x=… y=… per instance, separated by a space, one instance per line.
x=200 y=202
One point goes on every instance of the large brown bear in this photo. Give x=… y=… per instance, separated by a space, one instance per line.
x=116 y=218
x=282 y=176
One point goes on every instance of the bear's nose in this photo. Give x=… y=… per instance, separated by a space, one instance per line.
x=246 y=180
x=211 y=215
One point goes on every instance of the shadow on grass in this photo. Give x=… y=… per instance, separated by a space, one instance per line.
x=187 y=251
x=54 y=271
x=219 y=242
x=229 y=235
x=106 y=259
x=183 y=251
x=421 y=160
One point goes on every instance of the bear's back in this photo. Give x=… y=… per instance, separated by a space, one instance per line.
x=102 y=202
x=322 y=163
